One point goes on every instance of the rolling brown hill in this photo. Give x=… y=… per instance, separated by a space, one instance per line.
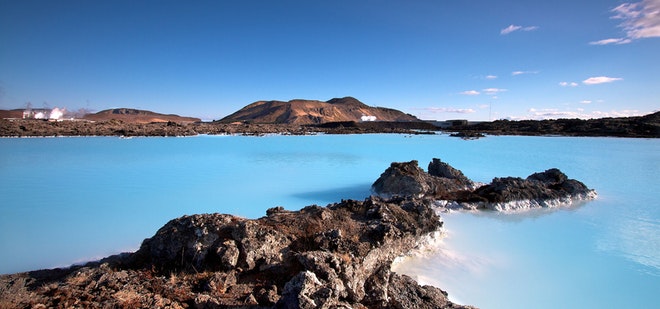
x=14 y=113
x=137 y=116
x=315 y=112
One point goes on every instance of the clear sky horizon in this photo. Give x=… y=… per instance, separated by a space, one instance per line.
x=476 y=60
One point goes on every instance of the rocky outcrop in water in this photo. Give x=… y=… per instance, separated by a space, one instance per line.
x=337 y=256
x=409 y=180
x=550 y=188
x=448 y=185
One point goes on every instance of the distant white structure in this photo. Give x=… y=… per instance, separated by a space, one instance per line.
x=368 y=118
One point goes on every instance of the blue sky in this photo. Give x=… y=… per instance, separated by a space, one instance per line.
x=451 y=59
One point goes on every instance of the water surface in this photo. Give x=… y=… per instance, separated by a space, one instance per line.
x=67 y=200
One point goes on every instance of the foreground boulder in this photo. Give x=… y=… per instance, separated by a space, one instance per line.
x=452 y=189
x=337 y=256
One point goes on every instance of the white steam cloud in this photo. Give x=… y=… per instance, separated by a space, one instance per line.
x=56 y=113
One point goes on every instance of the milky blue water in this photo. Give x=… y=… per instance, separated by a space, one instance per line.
x=68 y=200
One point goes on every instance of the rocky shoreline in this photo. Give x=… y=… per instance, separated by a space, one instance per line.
x=639 y=127
x=338 y=256
x=647 y=126
x=41 y=128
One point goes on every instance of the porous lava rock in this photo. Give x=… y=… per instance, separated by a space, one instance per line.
x=550 y=188
x=443 y=170
x=337 y=256
x=647 y=126
x=444 y=183
x=407 y=179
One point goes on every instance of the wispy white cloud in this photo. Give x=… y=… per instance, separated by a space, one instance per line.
x=451 y=110
x=513 y=28
x=586 y=101
x=493 y=91
x=553 y=113
x=600 y=80
x=639 y=20
x=617 y=41
x=488 y=91
x=615 y=113
x=533 y=114
x=470 y=92
x=509 y=29
x=568 y=84
x=516 y=73
x=491 y=76
x=438 y=110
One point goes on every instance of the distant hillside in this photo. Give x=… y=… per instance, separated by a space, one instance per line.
x=315 y=112
x=639 y=126
x=137 y=116
x=14 y=113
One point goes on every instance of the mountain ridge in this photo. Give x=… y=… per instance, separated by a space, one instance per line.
x=137 y=116
x=301 y=111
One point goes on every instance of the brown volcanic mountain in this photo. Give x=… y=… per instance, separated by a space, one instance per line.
x=137 y=116
x=314 y=112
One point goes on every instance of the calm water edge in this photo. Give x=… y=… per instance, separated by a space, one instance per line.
x=69 y=200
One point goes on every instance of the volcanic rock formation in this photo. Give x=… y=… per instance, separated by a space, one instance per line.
x=337 y=256
x=409 y=180
x=550 y=188
x=130 y=115
x=638 y=126
x=315 y=112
